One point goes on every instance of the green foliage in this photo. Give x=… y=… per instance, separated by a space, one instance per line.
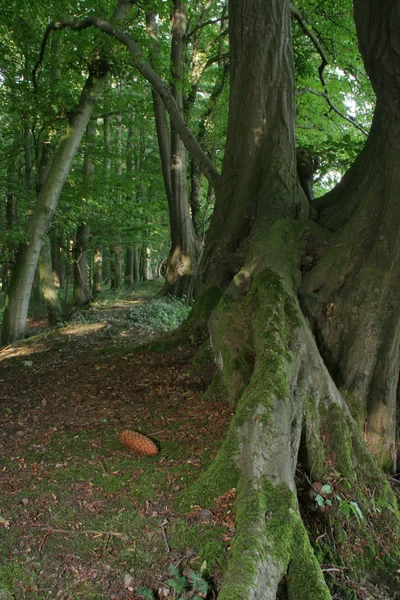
x=162 y=314
x=346 y=507
x=188 y=587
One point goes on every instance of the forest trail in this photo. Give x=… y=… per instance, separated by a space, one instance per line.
x=81 y=516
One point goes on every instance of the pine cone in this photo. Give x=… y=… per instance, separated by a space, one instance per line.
x=141 y=444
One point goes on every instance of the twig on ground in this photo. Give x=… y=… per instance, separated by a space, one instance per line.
x=43 y=541
x=116 y=534
x=164 y=532
x=189 y=555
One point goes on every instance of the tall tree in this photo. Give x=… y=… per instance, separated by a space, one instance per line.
x=16 y=308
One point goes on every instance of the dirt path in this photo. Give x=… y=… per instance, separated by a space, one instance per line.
x=80 y=516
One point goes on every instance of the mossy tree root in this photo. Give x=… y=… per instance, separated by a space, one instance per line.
x=283 y=394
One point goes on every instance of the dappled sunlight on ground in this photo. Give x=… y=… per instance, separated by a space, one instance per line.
x=82 y=328
x=20 y=351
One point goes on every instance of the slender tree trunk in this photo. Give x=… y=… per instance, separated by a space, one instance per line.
x=81 y=285
x=129 y=268
x=11 y=209
x=57 y=263
x=185 y=249
x=16 y=310
x=49 y=290
x=136 y=263
x=98 y=270
x=129 y=172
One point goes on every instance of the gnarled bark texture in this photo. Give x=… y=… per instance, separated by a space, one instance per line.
x=352 y=293
x=284 y=395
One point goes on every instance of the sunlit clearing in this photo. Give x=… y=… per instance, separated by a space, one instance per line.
x=82 y=328
x=20 y=351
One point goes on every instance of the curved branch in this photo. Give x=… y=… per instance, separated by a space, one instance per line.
x=324 y=62
x=351 y=120
x=187 y=136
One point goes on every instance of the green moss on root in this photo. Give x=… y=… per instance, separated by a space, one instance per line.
x=268 y=523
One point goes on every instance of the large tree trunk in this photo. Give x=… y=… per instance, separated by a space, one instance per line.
x=285 y=398
x=352 y=293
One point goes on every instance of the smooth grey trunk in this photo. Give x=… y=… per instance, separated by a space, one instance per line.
x=16 y=309
x=81 y=285
x=17 y=301
x=49 y=291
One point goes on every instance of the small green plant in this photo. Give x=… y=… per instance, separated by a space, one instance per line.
x=195 y=586
x=346 y=507
x=145 y=593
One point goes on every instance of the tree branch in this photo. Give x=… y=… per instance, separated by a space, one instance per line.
x=351 y=120
x=324 y=62
x=210 y=22
x=187 y=136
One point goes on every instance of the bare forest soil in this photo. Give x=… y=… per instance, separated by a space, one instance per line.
x=80 y=515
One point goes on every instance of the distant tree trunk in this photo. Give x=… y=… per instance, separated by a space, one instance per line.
x=11 y=208
x=57 y=263
x=117 y=249
x=81 y=285
x=98 y=271
x=16 y=310
x=49 y=290
x=81 y=290
x=185 y=249
x=129 y=268
x=116 y=267
x=130 y=198
x=136 y=263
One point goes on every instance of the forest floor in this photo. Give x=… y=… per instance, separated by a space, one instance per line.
x=80 y=515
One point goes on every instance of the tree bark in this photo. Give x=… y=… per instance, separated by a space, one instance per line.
x=284 y=397
x=185 y=250
x=81 y=294
x=98 y=270
x=49 y=290
x=351 y=293
x=81 y=285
